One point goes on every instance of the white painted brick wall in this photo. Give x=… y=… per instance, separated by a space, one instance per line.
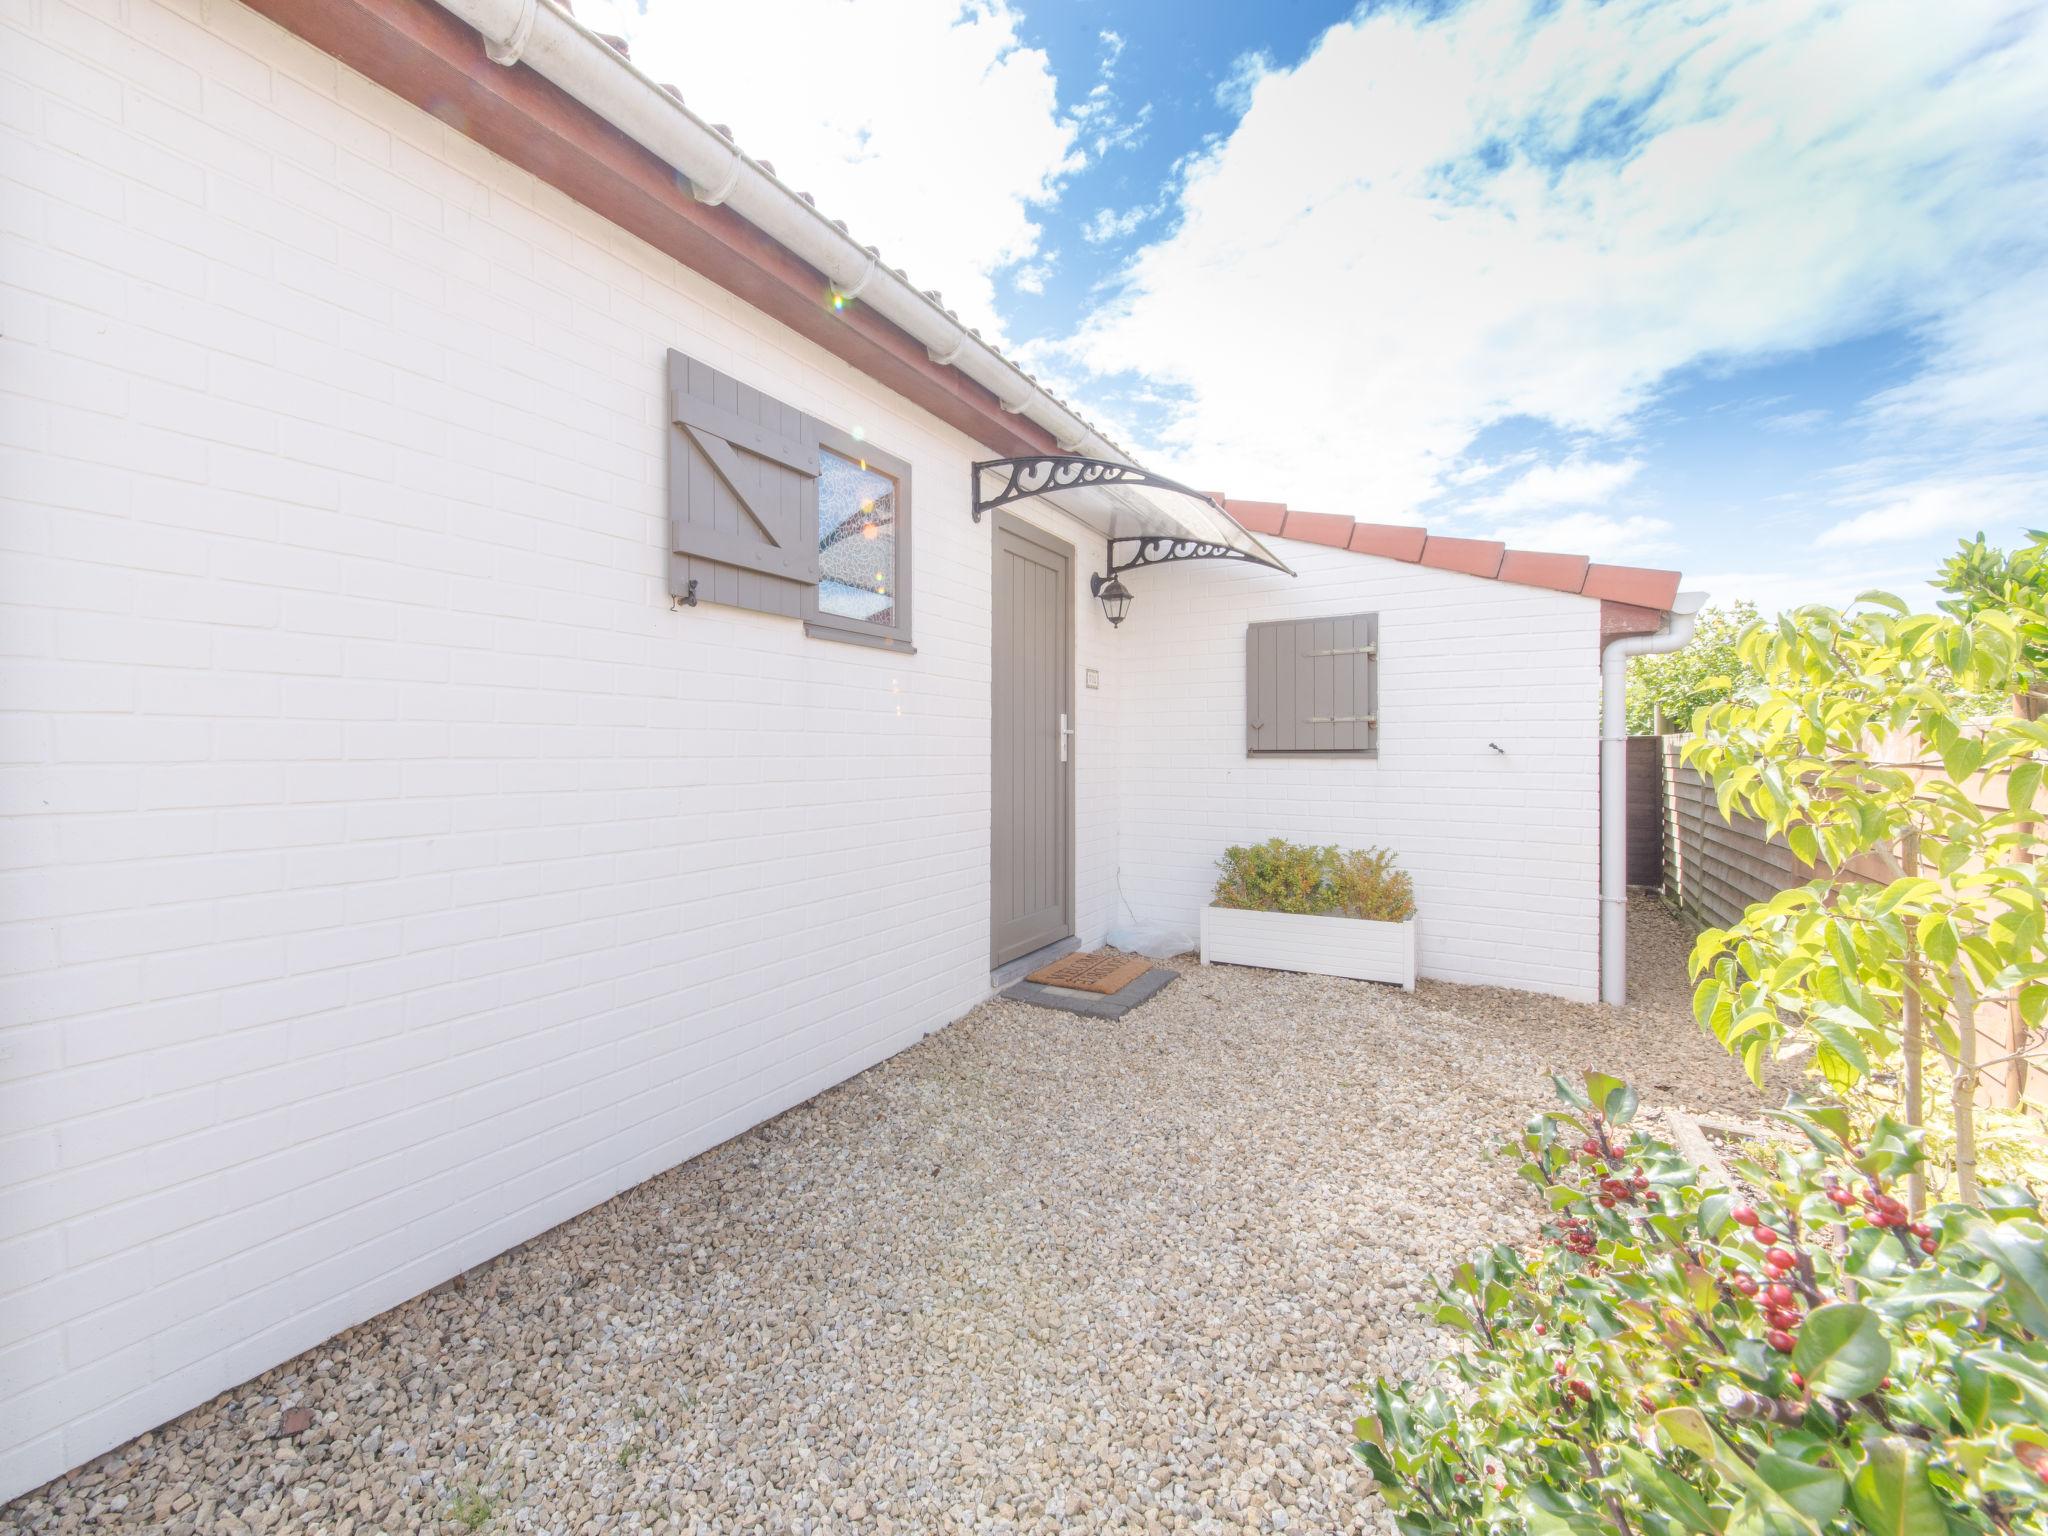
x=1504 y=847
x=389 y=874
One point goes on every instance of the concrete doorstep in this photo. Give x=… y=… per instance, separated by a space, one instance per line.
x=1094 y=1005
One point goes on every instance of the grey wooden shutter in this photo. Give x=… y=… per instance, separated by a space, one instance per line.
x=742 y=492
x=1312 y=685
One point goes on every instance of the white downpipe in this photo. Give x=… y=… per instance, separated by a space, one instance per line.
x=555 y=45
x=1614 y=785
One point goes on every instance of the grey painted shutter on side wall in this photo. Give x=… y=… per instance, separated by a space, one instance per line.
x=742 y=492
x=1312 y=685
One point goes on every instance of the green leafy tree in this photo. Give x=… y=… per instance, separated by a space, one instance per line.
x=1705 y=670
x=1935 y=902
x=1980 y=578
x=1812 y=1350
x=1795 y=1356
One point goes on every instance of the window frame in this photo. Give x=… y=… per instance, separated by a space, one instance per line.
x=893 y=636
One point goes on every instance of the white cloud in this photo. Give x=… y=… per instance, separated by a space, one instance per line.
x=1988 y=372
x=1031 y=277
x=1477 y=470
x=1798 y=421
x=1550 y=507
x=1101 y=113
x=1940 y=506
x=1108 y=224
x=1240 y=83
x=927 y=125
x=1605 y=537
x=1835 y=583
x=1433 y=223
x=1574 y=482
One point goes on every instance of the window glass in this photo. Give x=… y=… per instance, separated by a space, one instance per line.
x=856 y=540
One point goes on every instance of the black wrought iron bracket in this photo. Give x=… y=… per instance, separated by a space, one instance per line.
x=1147 y=550
x=1040 y=473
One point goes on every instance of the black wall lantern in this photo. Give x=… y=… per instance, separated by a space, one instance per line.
x=1116 y=597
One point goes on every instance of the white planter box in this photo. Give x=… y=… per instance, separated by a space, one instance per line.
x=1326 y=946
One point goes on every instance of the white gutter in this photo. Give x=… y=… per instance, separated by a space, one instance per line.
x=1614 y=661
x=555 y=45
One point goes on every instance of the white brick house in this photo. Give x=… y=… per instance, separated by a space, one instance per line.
x=393 y=868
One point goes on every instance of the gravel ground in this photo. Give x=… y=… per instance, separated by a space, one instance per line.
x=1037 y=1274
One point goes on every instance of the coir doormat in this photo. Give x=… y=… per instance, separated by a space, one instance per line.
x=1103 y=972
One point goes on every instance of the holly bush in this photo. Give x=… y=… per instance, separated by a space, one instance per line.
x=1796 y=1356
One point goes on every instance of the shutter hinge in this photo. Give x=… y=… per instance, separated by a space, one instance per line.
x=1350 y=650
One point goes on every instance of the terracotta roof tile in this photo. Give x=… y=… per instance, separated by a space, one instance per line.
x=1640 y=585
x=1392 y=541
x=1317 y=528
x=1560 y=573
x=1641 y=589
x=1258 y=516
x=1475 y=557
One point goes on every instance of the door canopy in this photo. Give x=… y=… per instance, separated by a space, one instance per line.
x=1146 y=519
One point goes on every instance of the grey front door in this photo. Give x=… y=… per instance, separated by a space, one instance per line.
x=1031 y=894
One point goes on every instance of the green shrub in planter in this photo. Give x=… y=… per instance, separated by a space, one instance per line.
x=1279 y=876
x=1794 y=1358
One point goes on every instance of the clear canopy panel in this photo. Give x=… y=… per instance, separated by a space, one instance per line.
x=1151 y=517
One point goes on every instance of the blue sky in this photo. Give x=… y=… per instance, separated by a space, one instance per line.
x=1753 y=288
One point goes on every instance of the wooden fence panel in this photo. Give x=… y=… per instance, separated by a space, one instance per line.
x=1646 y=811
x=1714 y=869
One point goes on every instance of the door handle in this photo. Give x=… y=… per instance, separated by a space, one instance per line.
x=1066 y=730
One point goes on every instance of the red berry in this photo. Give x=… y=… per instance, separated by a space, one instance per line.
x=1779 y=1294
x=1457 y=1477
x=1746 y=1284
x=1779 y=1340
x=1798 y=1381
x=1765 y=1235
x=1921 y=1229
x=1746 y=1214
x=1541 y=1330
x=1590 y=1147
x=1780 y=1259
x=1580 y=1390
x=1929 y=1245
